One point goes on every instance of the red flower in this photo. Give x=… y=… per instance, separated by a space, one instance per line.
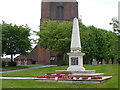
x=60 y=77
x=96 y=77
x=84 y=77
x=40 y=76
x=78 y=77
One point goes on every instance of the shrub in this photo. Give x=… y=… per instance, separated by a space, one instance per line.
x=63 y=62
x=12 y=64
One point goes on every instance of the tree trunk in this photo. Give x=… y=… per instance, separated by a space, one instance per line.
x=11 y=57
x=64 y=56
x=101 y=61
x=118 y=62
x=113 y=61
x=107 y=61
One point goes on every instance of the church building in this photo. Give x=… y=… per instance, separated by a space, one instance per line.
x=65 y=11
x=50 y=10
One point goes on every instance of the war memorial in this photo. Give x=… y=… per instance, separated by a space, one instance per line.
x=75 y=73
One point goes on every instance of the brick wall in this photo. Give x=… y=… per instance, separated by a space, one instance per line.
x=40 y=55
x=48 y=10
x=22 y=62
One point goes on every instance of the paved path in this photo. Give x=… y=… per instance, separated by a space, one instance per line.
x=27 y=68
x=18 y=78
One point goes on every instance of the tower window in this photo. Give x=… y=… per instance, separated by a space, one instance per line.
x=60 y=12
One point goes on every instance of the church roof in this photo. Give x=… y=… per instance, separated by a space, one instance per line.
x=58 y=0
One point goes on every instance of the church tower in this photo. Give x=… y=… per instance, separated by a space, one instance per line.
x=59 y=10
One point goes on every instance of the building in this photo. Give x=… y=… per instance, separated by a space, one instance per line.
x=64 y=11
x=37 y=56
x=50 y=10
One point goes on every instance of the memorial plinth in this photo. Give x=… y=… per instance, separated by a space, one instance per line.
x=76 y=61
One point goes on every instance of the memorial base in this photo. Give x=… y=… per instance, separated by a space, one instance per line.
x=76 y=61
x=75 y=68
x=104 y=78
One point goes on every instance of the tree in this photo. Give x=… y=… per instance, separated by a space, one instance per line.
x=55 y=36
x=15 y=39
x=96 y=43
x=115 y=24
x=100 y=44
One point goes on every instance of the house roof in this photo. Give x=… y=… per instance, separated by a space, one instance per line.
x=28 y=56
x=23 y=57
x=35 y=53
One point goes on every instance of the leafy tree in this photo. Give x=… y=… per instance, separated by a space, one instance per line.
x=55 y=36
x=96 y=43
x=15 y=39
x=100 y=44
x=115 y=23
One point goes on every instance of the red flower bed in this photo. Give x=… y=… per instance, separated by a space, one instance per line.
x=89 y=78
x=85 y=78
x=41 y=77
x=60 y=77
x=69 y=77
x=96 y=77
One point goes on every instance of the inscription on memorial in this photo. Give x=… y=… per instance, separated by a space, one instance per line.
x=74 y=60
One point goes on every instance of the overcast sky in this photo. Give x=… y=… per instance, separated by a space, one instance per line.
x=92 y=12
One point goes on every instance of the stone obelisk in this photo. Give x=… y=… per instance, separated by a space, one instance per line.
x=75 y=56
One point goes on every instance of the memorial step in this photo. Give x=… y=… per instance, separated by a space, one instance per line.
x=104 y=78
x=80 y=72
x=86 y=75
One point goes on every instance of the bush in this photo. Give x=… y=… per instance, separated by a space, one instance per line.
x=63 y=62
x=3 y=63
x=12 y=64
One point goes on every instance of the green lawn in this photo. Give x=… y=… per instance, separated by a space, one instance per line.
x=19 y=67
x=110 y=70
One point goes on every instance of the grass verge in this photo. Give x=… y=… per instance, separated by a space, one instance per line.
x=108 y=70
